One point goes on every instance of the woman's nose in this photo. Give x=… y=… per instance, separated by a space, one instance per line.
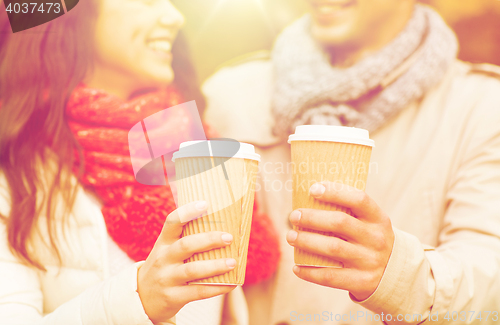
x=171 y=16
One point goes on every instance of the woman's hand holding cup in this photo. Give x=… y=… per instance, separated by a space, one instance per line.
x=163 y=278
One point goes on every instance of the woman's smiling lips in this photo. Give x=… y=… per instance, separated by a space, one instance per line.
x=161 y=47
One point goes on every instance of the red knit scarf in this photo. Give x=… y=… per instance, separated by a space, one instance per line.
x=135 y=213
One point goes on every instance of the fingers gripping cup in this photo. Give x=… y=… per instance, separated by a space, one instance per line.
x=326 y=153
x=207 y=170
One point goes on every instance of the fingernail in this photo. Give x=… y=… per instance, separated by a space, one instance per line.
x=201 y=205
x=292 y=236
x=227 y=238
x=296 y=269
x=317 y=189
x=295 y=217
x=231 y=263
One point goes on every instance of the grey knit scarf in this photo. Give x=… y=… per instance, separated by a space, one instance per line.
x=309 y=90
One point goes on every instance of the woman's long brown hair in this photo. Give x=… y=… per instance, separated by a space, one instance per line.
x=39 y=68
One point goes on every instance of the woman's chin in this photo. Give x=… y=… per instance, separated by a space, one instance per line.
x=159 y=76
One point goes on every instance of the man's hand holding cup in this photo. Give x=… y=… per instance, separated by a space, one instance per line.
x=362 y=243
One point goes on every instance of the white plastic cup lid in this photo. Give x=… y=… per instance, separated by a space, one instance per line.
x=216 y=148
x=332 y=133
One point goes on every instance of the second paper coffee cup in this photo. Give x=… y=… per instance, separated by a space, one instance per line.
x=223 y=173
x=326 y=153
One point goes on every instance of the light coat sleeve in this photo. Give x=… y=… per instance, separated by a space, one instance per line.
x=111 y=302
x=461 y=274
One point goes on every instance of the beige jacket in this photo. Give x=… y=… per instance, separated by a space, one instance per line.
x=82 y=290
x=435 y=171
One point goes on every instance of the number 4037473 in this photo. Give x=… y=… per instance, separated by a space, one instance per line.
x=26 y=7
x=472 y=315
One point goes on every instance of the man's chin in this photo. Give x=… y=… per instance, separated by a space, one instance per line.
x=333 y=35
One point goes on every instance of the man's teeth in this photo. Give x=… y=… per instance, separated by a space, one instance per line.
x=163 y=46
x=328 y=9
x=332 y=7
